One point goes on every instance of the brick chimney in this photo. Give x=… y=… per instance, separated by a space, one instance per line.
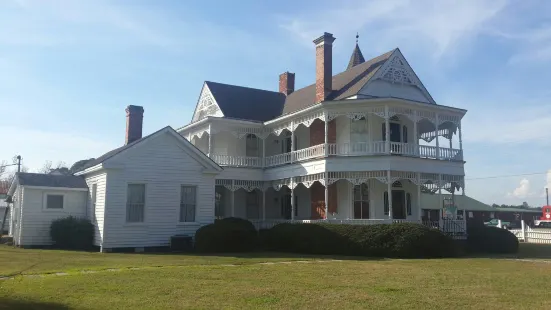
x=134 y=122
x=286 y=83
x=324 y=66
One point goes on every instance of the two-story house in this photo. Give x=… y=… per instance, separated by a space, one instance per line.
x=361 y=144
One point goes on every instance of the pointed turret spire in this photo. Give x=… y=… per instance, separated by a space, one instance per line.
x=357 y=57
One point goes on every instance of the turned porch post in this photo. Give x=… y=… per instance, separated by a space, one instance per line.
x=232 y=198
x=460 y=141
x=326 y=196
x=292 y=200
x=419 y=209
x=210 y=142
x=293 y=146
x=326 y=135
x=264 y=203
x=415 y=134
x=437 y=134
x=387 y=133
x=389 y=189
x=264 y=152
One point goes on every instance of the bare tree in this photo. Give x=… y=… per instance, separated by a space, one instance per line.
x=46 y=167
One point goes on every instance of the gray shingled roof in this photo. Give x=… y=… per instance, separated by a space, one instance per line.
x=356 y=58
x=345 y=84
x=247 y=103
x=50 y=180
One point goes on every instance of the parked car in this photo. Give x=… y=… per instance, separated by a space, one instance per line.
x=504 y=224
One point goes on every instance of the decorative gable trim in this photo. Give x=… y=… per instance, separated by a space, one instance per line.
x=206 y=105
x=397 y=70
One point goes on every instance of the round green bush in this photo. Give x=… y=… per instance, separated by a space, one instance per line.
x=397 y=240
x=72 y=233
x=487 y=239
x=227 y=235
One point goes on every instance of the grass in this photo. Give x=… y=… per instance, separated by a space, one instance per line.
x=208 y=282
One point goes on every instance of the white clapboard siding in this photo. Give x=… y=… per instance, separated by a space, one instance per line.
x=36 y=220
x=163 y=164
x=100 y=179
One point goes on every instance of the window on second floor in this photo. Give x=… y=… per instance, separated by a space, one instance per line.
x=252 y=146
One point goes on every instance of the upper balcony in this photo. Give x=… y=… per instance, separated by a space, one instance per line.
x=393 y=128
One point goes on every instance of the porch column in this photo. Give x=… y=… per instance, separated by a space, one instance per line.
x=210 y=142
x=437 y=134
x=293 y=146
x=232 y=198
x=440 y=191
x=389 y=189
x=263 y=163
x=387 y=134
x=460 y=140
x=326 y=135
x=415 y=135
x=292 y=200
x=326 y=196
x=264 y=203
x=419 y=209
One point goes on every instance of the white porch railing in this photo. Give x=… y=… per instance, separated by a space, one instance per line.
x=237 y=161
x=342 y=149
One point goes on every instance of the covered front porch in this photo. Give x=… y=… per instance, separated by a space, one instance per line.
x=344 y=197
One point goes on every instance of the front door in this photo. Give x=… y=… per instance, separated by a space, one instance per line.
x=398 y=205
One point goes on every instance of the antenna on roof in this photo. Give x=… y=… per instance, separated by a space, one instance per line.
x=357 y=36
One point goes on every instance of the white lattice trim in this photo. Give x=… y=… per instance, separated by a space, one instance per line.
x=443 y=118
x=308 y=119
x=248 y=185
x=242 y=132
x=403 y=175
x=428 y=115
x=198 y=132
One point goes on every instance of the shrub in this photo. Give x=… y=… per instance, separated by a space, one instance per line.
x=72 y=233
x=397 y=240
x=226 y=235
x=487 y=239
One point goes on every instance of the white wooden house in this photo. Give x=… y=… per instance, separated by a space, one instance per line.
x=360 y=145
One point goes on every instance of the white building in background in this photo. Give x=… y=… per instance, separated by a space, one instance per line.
x=362 y=144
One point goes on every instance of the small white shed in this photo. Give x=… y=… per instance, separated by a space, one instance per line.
x=38 y=199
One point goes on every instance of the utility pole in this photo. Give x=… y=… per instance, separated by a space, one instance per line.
x=547 y=195
x=18 y=159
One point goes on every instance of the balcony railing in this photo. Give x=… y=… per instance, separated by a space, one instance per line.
x=341 y=149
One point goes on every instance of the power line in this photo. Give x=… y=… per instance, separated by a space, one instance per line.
x=507 y=176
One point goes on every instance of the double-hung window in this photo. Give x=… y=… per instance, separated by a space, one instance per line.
x=251 y=145
x=135 y=203
x=54 y=201
x=94 y=196
x=188 y=203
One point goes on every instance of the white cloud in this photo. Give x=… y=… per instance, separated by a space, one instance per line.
x=439 y=27
x=522 y=191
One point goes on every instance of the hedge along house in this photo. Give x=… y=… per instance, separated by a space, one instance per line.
x=38 y=199
x=149 y=189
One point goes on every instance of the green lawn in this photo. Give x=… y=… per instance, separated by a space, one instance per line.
x=209 y=282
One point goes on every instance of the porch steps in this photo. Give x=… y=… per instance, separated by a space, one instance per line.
x=7 y=240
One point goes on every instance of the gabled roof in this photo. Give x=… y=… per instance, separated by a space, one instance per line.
x=50 y=180
x=247 y=103
x=345 y=84
x=123 y=148
x=356 y=58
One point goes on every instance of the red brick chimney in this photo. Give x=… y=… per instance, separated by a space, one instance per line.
x=134 y=122
x=286 y=83
x=324 y=66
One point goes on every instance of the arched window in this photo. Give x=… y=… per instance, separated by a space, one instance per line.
x=408 y=203
x=405 y=134
x=385 y=198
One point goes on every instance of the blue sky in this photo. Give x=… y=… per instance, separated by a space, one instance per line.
x=69 y=68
